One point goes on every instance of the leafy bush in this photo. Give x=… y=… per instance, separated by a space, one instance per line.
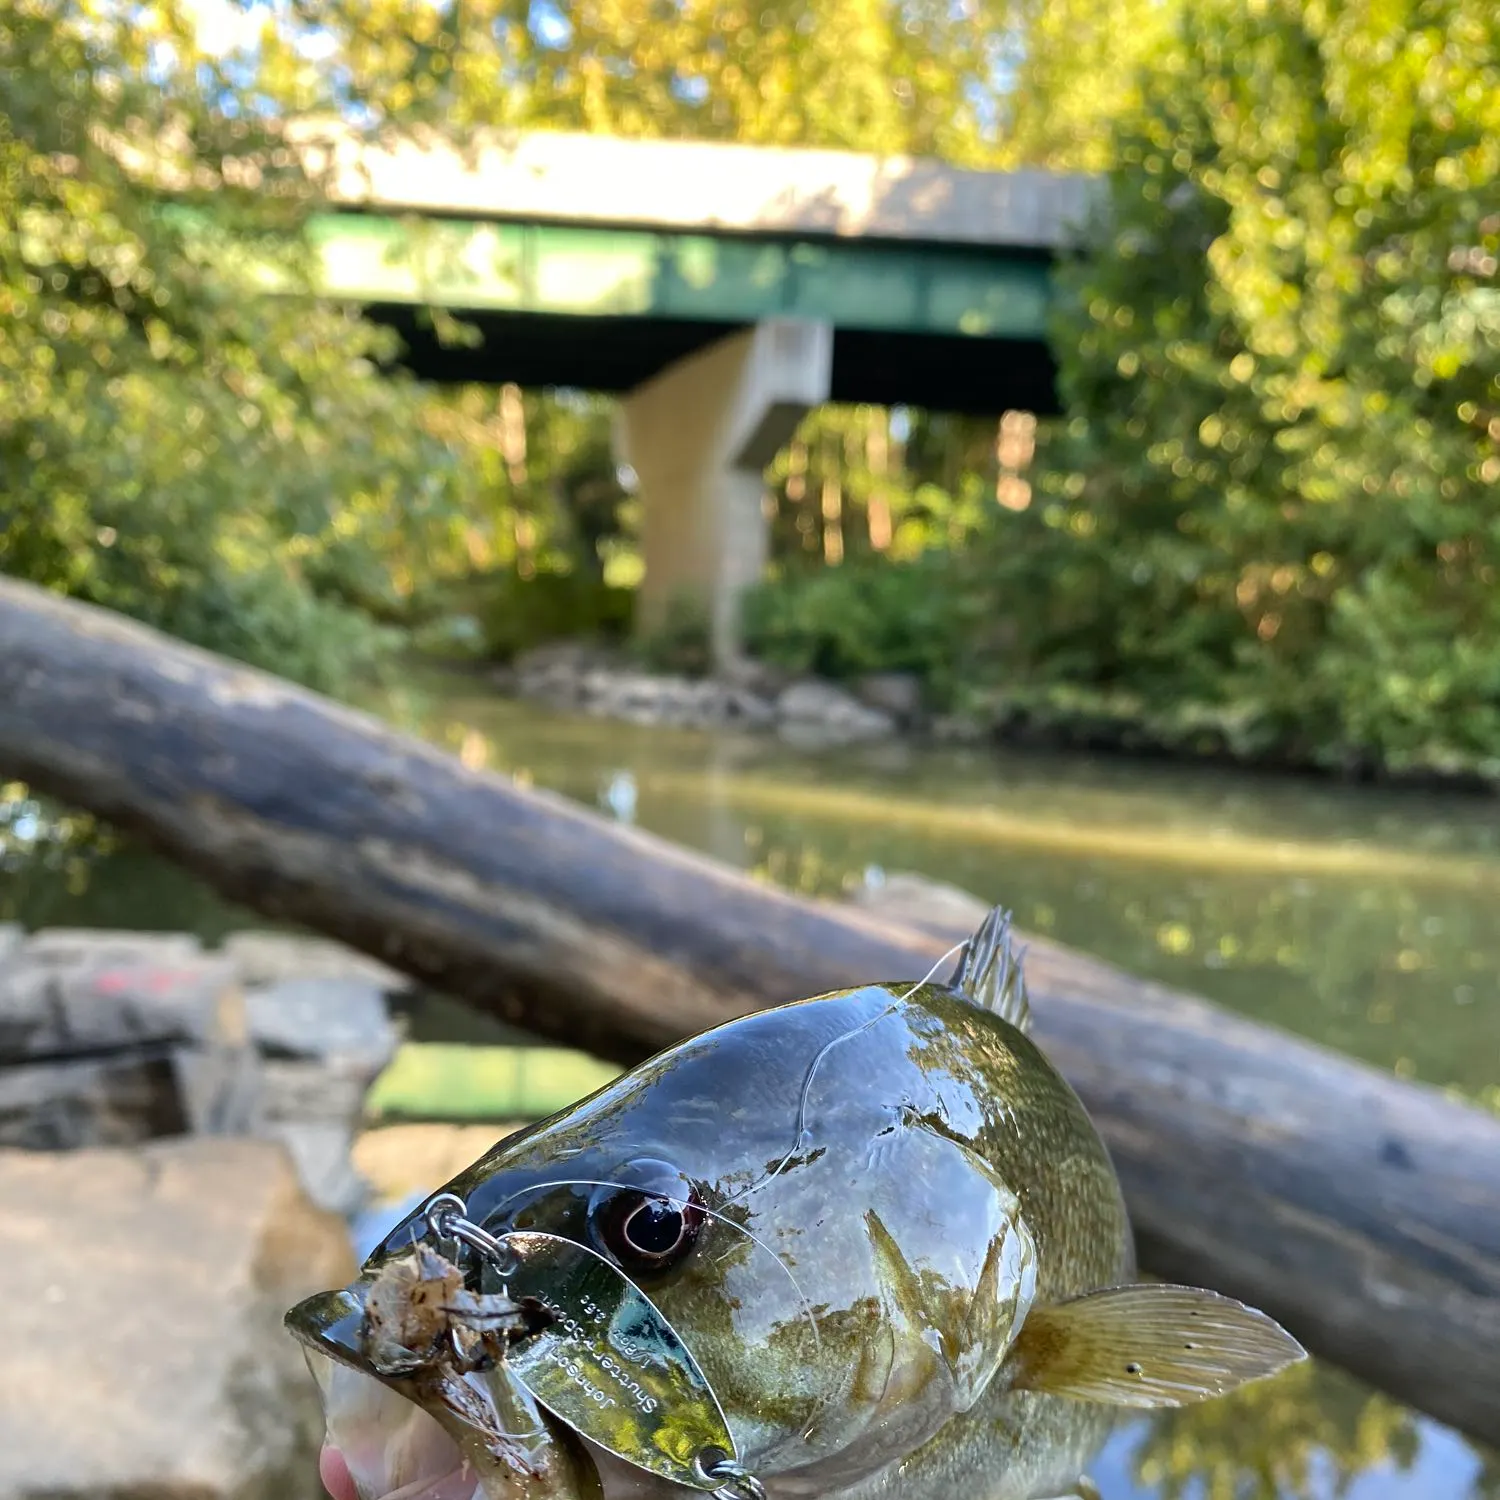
x=518 y=613
x=866 y=616
x=227 y=465
x=1273 y=506
x=682 y=643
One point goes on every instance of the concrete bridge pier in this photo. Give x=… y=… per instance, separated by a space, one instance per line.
x=699 y=436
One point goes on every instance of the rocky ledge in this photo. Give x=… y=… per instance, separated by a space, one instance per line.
x=141 y=1347
x=807 y=711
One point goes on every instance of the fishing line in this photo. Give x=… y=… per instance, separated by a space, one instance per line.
x=681 y=1204
x=803 y=1136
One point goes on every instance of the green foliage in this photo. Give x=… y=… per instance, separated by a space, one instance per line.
x=541 y=496
x=863 y=617
x=1270 y=519
x=866 y=480
x=226 y=465
x=233 y=467
x=682 y=643
x=1267 y=526
x=992 y=82
x=516 y=613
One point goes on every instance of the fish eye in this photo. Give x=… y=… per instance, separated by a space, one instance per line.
x=648 y=1219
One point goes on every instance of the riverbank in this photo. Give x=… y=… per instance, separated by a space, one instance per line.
x=807 y=711
x=816 y=713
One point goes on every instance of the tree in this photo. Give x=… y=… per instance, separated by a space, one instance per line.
x=173 y=442
x=1270 y=519
x=981 y=82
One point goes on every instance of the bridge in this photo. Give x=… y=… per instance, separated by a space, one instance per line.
x=721 y=290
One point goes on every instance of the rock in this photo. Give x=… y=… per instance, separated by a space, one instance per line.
x=101 y=947
x=322 y=1093
x=832 y=713
x=645 y=698
x=340 y=1017
x=896 y=693
x=314 y=1109
x=746 y=694
x=916 y=901
x=325 y=1041
x=112 y=1038
x=556 y=673
x=747 y=709
x=574 y=657
x=141 y=1347
x=759 y=678
x=267 y=957
x=109 y=1101
x=321 y=1152
x=62 y=998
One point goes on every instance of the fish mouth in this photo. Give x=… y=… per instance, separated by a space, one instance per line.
x=430 y=1435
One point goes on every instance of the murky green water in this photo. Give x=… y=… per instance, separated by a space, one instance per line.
x=1362 y=919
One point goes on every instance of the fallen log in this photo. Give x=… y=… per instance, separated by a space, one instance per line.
x=1361 y=1210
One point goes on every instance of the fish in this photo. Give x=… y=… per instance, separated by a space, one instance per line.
x=855 y=1247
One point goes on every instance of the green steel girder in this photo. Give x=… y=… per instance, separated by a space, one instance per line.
x=479 y=265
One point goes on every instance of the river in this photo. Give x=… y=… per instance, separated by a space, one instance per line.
x=1363 y=919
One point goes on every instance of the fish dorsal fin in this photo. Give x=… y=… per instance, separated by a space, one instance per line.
x=989 y=972
x=1149 y=1345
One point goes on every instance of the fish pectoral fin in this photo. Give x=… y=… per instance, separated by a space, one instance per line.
x=1147 y=1346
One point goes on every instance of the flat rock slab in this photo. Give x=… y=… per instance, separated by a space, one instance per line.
x=59 y=999
x=141 y=1347
x=323 y=1041
x=113 y=1037
x=320 y=1151
x=335 y=1017
x=104 y=946
x=94 y=1101
x=266 y=957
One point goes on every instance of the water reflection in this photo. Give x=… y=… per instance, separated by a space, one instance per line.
x=1359 y=918
x=618 y=796
x=1311 y=1433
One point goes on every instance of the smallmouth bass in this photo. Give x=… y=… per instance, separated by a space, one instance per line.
x=861 y=1246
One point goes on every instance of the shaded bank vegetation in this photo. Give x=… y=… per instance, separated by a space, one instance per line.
x=1267 y=525
x=1270 y=516
x=1263 y=529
